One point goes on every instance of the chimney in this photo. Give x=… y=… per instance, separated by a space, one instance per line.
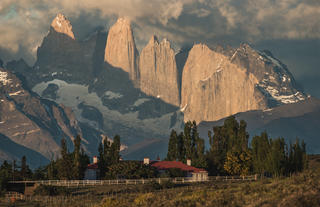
x=188 y=162
x=146 y=161
x=95 y=160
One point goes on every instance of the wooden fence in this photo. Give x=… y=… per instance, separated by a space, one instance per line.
x=180 y=180
x=12 y=196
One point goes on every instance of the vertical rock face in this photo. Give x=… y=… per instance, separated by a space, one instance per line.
x=121 y=51
x=158 y=71
x=61 y=25
x=213 y=87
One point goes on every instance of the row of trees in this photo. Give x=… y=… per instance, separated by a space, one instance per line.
x=230 y=152
x=69 y=166
x=72 y=165
x=187 y=145
x=276 y=157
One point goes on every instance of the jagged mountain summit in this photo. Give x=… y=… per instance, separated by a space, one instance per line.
x=275 y=80
x=114 y=89
x=62 y=25
x=59 y=49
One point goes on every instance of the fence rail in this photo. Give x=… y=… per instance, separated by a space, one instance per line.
x=179 y=180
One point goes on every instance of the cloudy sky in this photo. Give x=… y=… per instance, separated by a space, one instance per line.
x=289 y=28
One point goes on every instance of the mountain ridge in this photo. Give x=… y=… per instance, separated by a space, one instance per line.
x=114 y=89
x=34 y=124
x=291 y=121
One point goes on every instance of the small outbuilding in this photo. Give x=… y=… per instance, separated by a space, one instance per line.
x=92 y=172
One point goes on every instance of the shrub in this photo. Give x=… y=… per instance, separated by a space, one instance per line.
x=156 y=186
x=46 y=190
x=167 y=184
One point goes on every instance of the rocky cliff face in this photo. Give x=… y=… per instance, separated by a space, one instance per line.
x=158 y=71
x=121 y=51
x=219 y=84
x=213 y=87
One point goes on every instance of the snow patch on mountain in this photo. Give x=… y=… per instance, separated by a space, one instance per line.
x=71 y=95
x=141 y=101
x=15 y=93
x=184 y=108
x=273 y=60
x=276 y=94
x=4 y=78
x=113 y=95
x=58 y=23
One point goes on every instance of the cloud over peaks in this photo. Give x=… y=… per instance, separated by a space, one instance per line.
x=23 y=24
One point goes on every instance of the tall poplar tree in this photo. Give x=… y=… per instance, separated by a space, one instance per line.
x=77 y=158
x=115 y=150
x=25 y=171
x=65 y=162
x=260 y=151
x=173 y=149
x=101 y=161
x=181 y=148
x=187 y=140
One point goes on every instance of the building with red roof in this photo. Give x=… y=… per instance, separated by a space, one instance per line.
x=163 y=167
x=195 y=174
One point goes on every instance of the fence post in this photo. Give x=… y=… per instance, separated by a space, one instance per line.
x=255 y=176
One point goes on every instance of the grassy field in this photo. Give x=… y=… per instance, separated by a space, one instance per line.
x=297 y=190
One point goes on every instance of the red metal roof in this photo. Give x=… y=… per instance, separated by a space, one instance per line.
x=164 y=165
x=93 y=166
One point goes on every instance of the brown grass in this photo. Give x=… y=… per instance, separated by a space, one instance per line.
x=297 y=190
